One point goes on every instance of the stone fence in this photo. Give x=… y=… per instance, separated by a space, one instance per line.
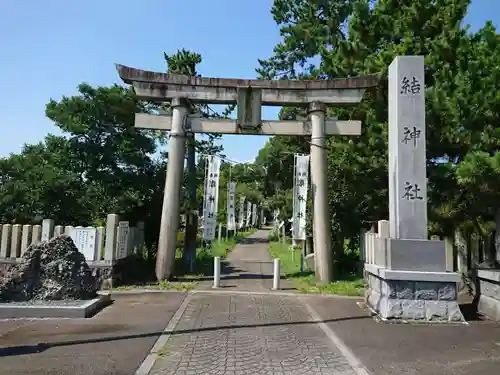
x=463 y=253
x=99 y=244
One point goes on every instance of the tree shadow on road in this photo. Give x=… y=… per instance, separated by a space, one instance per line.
x=44 y=346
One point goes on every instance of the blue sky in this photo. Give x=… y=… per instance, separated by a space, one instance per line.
x=48 y=47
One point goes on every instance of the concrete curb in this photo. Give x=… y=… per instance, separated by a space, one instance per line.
x=139 y=291
x=225 y=292
x=148 y=363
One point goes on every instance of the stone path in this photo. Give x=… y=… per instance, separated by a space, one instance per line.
x=243 y=328
x=248 y=267
x=248 y=334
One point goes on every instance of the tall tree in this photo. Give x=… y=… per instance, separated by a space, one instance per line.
x=39 y=182
x=114 y=157
x=348 y=38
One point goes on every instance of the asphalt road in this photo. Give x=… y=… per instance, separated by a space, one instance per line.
x=390 y=349
x=114 y=342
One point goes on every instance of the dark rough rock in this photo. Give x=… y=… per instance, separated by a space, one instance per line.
x=49 y=270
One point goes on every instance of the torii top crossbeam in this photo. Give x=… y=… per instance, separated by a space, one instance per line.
x=163 y=87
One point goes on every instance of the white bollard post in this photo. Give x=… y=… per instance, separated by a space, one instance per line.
x=276 y=274
x=216 y=272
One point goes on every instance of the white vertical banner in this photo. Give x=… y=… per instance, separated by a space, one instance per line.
x=300 y=189
x=249 y=214
x=205 y=188
x=211 y=198
x=241 y=217
x=276 y=215
x=231 y=219
x=254 y=215
x=294 y=194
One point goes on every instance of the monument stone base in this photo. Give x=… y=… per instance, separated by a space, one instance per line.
x=407 y=296
x=54 y=309
x=489 y=293
x=410 y=255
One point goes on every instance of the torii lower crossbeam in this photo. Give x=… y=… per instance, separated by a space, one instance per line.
x=270 y=128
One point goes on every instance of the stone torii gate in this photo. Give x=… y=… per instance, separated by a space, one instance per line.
x=249 y=95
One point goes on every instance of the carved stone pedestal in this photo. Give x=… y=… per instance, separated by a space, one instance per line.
x=408 y=281
x=413 y=295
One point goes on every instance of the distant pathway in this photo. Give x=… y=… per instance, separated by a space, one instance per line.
x=248 y=267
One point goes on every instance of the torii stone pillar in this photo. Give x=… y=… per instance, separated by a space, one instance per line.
x=321 y=219
x=165 y=257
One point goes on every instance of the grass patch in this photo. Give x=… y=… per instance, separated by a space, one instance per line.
x=163 y=352
x=308 y=284
x=305 y=282
x=183 y=286
x=184 y=280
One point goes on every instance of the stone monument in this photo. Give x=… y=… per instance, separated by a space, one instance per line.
x=49 y=271
x=407 y=271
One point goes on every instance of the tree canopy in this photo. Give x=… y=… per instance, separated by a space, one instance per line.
x=331 y=39
x=102 y=164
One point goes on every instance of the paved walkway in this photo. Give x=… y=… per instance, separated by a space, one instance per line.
x=249 y=334
x=245 y=328
x=248 y=267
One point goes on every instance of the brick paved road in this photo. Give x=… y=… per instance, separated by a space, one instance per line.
x=248 y=334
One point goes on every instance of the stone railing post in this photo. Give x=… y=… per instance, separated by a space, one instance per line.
x=58 y=230
x=15 y=246
x=26 y=238
x=36 y=234
x=100 y=244
x=5 y=240
x=47 y=229
x=362 y=245
x=111 y=232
